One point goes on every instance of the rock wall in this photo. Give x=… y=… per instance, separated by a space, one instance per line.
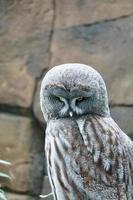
x=38 y=34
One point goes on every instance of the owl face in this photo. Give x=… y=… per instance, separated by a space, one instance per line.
x=73 y=90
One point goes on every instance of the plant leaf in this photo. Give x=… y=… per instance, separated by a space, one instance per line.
x=5 y=162
x=2 y=195
x=3 y=175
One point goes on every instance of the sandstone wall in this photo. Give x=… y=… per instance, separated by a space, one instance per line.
x=38 y=34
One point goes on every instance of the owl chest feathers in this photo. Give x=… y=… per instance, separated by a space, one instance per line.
x=88 y=152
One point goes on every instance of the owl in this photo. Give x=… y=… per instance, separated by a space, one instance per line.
x=88 y=156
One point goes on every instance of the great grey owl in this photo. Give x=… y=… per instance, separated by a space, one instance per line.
x=88 y=155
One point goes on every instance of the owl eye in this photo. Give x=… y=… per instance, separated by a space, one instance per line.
x=80 y=99
x=58 y=98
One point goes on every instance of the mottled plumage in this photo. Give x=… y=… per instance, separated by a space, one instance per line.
x=88 y=155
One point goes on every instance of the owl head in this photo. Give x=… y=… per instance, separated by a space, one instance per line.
x=73 y=90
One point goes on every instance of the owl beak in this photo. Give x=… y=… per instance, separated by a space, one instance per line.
x=70 y=113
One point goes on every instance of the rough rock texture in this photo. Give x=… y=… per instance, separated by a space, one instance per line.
x=17 y=86
x=36 y=35
x=21 y=144
x=11 y=196
x=124 y=117
x=25 y=31
x=73 y=13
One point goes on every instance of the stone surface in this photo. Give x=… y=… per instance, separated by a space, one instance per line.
x=46 y=189
x=12 y=196
x=108 y=46
x=25 y=31
x=21 y=143
x=124 y=118
x=17 y=86
x=72 y=13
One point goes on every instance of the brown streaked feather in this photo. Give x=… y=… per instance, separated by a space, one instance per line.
x=74 y=168
x=116 y=149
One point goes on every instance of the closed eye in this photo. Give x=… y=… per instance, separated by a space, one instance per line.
x=58 y=98
x=80 y=99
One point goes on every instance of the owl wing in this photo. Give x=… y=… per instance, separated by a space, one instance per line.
x=111 y=150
